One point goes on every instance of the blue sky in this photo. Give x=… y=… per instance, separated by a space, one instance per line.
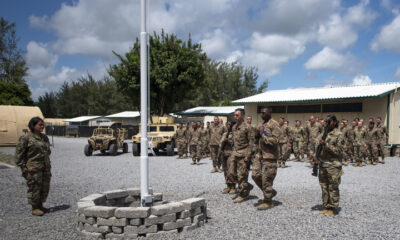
x=293 y=43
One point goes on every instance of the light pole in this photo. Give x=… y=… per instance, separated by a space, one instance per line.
x=146 y=198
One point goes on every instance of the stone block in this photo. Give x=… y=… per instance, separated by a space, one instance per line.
x=161 y=233
x=183 y=222
x=84 y=204
x=119 y=193
x=170 y=226
x=92 y=235
x=97 y=229
x=112 y=221
x=198 y=218
x=153 y=219
x=168 y=208
x=132 y=212
x=99 y=211
x=135 y=222
x=80 y=226
x=121 y=236
x=190 y=228
x=136 y=191
x=140 y=229
x=97 y=198
x=158 y=197
x=118 y=230
x=130 y=199
x=111 y=203
x=193 y=203
x=190 y=213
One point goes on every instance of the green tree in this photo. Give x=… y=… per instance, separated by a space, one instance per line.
x=12 y=67
x=48 y=105
x=176 y=72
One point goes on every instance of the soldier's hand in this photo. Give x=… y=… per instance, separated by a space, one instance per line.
x=315 y=159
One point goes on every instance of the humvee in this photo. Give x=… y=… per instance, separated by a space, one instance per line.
x=107 y=139
x=160 y=136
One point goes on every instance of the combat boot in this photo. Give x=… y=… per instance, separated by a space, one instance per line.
x=198 y=162
x=283 y=165
x=383 y=161
x=219 y=170
x=346 y=163
x=226 y=190
x=267 y=204
x=369 y=162
x=323 y=211
x=330 y=212
x=232 y=191
x=193 y=163
x=239 y=199
x=213 y=170
x=45 y=210
x=36 y=211
x=374 y=163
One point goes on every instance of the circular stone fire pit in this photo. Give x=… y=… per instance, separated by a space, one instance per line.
x=117 y=214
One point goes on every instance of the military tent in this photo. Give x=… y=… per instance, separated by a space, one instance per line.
x=14 y=122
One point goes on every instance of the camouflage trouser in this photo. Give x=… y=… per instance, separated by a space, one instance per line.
x=186 y=148
x=359 y=153
x=214 y=154
x=207 y=148
x=195 y=152
x=284 y=153
x=329 y=179
x=38 y=186
x=349 y=152
x=230 y=183
x=372 y=151
x=181 y=148
x=298 y=150
x=238 y=167
x=305 y=151
x=382 y=149
x=312 y=146
x=263 y=174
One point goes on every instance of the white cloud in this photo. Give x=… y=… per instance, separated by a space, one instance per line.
x=329 y=59
x=361 y=80
x=218 y=44
x=397 y=73
x=388 y=37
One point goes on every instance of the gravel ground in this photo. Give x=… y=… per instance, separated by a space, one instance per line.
x=370 y=206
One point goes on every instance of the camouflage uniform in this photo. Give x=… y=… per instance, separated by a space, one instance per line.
x=195 y=144
x=372 y=138
x=359 y=144
x=230 y=183
x=187 y=139
x=33 y=153
x=215 y=133
x=384 y=136
x=284 y=149
x=180 y=138
x=330 y=168
x=298 y=140
x=313 y=130
x=204 y=141
x=265 y=163
x=242 y=148
x=348 y=135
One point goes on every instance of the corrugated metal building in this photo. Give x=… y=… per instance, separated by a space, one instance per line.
x=206 y=114
x=126 y=118
x=348 y=102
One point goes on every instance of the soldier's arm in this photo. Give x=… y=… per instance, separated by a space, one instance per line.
x=337 y=146
x=21 y=151
x=250 y=137
x=273 y=136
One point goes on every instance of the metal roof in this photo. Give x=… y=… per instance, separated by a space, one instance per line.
x=214 y=111
x=321 y=94
x=126 y=114
x=81 y=119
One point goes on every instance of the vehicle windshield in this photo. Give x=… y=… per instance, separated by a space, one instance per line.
x=167 y=129
x=103 y=131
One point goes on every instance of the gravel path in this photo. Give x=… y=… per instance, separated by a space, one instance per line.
x=370 y=206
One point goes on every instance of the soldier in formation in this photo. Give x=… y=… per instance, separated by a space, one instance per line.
x=194 y=143
x=33 y=157
x=180 y=139
x=227 y=142
x=312 y=131
x=284 y=147
x=215 y=133
x=298 y=140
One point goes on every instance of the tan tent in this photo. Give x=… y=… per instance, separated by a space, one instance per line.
x=13 y=121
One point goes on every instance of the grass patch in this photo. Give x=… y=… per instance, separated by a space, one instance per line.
x=6 y=158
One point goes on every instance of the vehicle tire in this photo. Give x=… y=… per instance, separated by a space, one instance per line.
x=170 y=149
x=135 y=149
x=103 y=151
x=88 y=150
x=125 y=147
x=156 y=151
x=113 y=149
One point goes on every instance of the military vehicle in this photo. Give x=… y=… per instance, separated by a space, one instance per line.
x=160 y=136
x=107 y=139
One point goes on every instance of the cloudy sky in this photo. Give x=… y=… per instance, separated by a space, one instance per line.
x=293 y=43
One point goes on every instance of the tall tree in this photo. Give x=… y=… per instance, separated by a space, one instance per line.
x=12 y=67
x=176 y=72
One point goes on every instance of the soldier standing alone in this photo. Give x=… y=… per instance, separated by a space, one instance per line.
x=298 y=139
x=194 y=143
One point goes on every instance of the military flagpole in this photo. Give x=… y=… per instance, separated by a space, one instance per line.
x=146 y=198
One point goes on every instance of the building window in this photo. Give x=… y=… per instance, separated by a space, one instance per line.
x=316 y=108
x=275 y=109
x=342 y=107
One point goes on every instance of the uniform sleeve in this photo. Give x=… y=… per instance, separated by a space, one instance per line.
x=21 y=151
x=250 y=137
x=336 y=147
x=306 y=133
x=273 y=135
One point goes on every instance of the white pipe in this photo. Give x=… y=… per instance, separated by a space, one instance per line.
x=144 y=159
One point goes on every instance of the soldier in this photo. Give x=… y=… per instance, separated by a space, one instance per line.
x=265 y=164
x=187 y=139
x=215 y=132
x=348 y=147
x=204 y=140
x=230 y=183
x=208 y=140
x=330 y=167
x=194 y=143
x=359 y=144
x=33 y=157
x=384 y=136
x=180 y=138
x=253 y=132
x=343 y=130
x=290 y=140
x=350 y=140
x=372 y=141
x=313 y=130
x=241 y=155
x=298 y=139
x=284 y=144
